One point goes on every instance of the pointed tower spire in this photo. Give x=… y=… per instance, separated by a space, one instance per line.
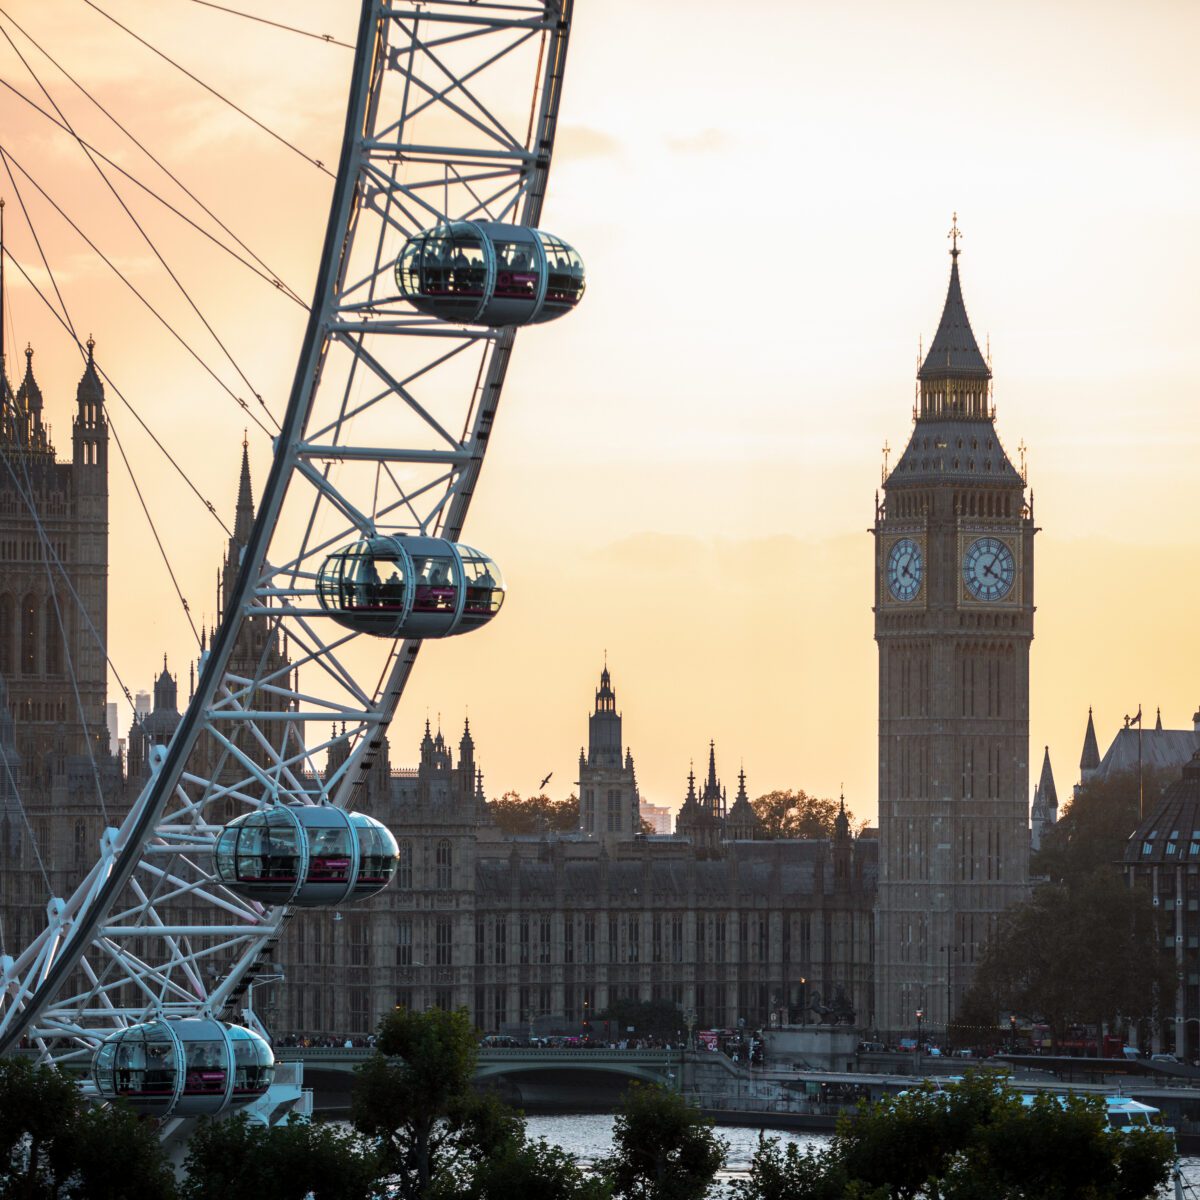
x=244 y=516
x=954 y=352
x=711 y=782
x=1045 y=787
x=1158 y=722
x=1089 y=760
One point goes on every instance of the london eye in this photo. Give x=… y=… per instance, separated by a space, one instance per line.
x=433 y=258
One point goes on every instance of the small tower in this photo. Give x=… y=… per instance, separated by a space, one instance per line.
x=1045 y=805
x=89 y=435
x=842 y=850
x=742 y=823
x=608 y=794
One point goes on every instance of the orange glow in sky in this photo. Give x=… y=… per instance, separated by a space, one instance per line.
x=683 y=470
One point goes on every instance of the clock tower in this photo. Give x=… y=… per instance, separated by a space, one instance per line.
x=953 y=620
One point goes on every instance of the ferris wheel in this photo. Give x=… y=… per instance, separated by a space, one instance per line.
x=433 y=257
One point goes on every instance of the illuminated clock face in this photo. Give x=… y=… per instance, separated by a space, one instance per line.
x=904 y=567
x=988 y=569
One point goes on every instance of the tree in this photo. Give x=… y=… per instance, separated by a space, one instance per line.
x=531 y=1170
x=663 y=1148
x=648 y=1018
x=1082 y=953
x=537 y=814
x=795 y=815
x=1094 y=827
x=406 y=1094
x=55 y=1145
x=779 y=1172
x=976 y=1140
x=236 y=1160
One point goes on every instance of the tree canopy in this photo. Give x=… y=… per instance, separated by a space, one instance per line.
x=1082 y=953
x=1095 y=825
x=795 y=815
x=234 y=1159
x=663 y=1148
x=537 y=814
x=55 y=1145
x=975 y=1140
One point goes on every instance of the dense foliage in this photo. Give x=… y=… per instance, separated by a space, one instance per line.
x=975 y=1140
x=663 y=1148
x=1095 y=825
x=1084 y=949
x=54 y=1145
x=795 y=815
x=537 y=814
x=236 y=1160
x=1079 y=953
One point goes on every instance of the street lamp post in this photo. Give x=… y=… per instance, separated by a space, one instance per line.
x=920 y=1018
x=803 y=1000
x=1012 y=1033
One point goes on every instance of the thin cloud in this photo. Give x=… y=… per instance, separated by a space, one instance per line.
x=582 y=141
x=705 y=141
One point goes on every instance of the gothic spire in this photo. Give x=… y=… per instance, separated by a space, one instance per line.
x=954 y=352
x=711 y=782
x=30 y=394
x=244 y=516
x=1045 y=788
x=1089 y=760
x=90 y=389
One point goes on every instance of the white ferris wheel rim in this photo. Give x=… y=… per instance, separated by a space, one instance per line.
x=163 y=842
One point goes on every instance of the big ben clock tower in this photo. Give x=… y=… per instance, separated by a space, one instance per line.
x=954 y=620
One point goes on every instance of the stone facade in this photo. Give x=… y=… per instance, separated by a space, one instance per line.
x=953 y=620
x=552 y=929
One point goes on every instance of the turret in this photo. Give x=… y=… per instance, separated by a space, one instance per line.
x=89 y=435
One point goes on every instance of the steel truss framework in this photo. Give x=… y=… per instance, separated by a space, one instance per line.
x=452 y=115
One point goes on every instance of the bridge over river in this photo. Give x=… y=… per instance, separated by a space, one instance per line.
x=528 y=1076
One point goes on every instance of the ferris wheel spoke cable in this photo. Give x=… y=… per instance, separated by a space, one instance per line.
x=214 y=91
x=145 y=236
x=9 y=157
x=141 y=229
x=64 y=321
x=165 y=844
x=258 y=266
x=328 y=38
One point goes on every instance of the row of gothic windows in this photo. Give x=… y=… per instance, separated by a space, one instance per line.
x=31 y=636
x=443 y=866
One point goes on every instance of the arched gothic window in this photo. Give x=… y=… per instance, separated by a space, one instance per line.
x=29 y=634
x=54 y=640
x=404 y=874
x=7 y=635
x=443 y=865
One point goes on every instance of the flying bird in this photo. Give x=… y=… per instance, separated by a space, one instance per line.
x=544 y=781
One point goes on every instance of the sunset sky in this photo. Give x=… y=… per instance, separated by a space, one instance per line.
x=683 y=470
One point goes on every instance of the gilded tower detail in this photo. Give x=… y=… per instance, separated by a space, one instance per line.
x=953 y=620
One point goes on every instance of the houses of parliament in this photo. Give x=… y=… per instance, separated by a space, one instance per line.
x=716 y=918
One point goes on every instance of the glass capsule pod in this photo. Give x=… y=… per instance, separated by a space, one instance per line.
x=310 y=855
x=187 y=1068
x=488 y=273
x=410 y=587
